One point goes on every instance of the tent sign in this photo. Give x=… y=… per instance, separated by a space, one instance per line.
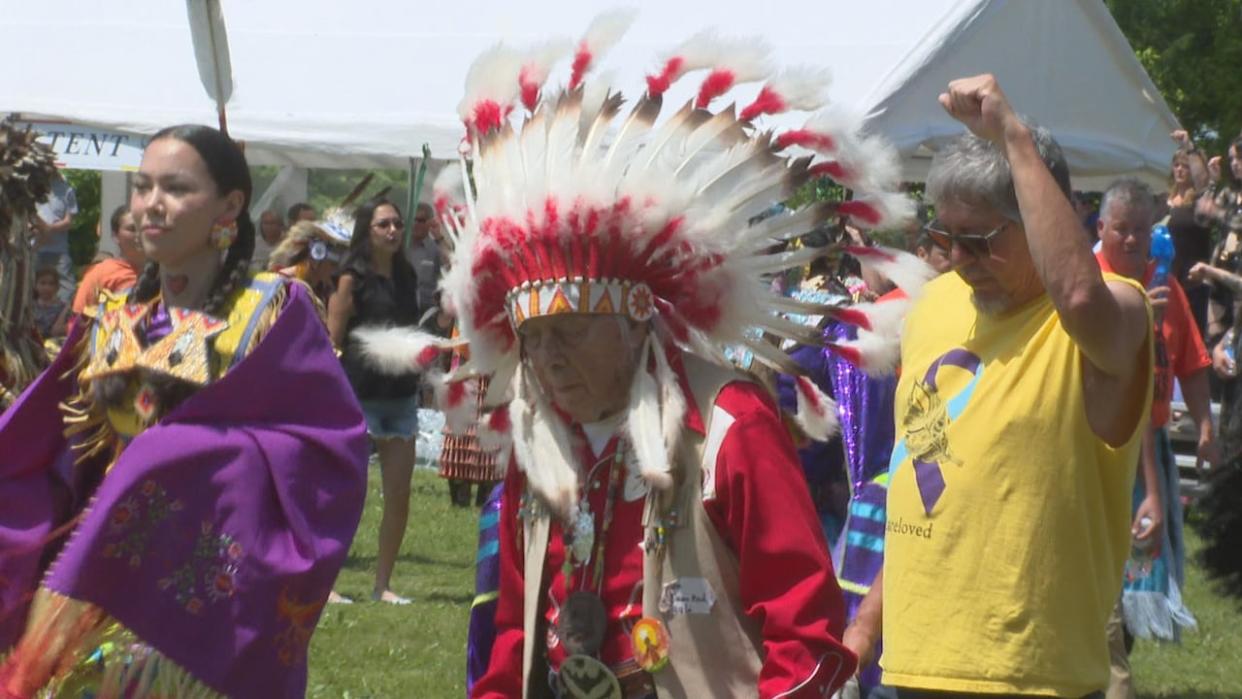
x=88 y=148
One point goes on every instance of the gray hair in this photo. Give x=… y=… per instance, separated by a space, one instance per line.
x=973 y=170
x=1129 y=192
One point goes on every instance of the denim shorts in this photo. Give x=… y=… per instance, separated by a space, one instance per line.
x=391 y=417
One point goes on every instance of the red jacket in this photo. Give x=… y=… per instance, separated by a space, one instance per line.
x=761 y=509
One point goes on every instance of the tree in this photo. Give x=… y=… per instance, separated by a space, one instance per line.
x=83 y=241
x=1192 y=49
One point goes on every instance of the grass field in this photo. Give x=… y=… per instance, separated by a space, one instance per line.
x=367 y=650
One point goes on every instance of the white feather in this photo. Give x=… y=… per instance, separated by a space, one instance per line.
x=606 y=30
x=804 y=88
x=871 y=164
x=697 y=53
x=211 y=50
x=541 y=445
x=395 y=350
x=836 y=120
x=539 y=59
x=644 y=425
x=672 y=399
x=447 y=188
x=747 y=58
x=493 y=76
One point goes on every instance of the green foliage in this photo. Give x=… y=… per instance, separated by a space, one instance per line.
x=819 y=189
x=83 y=241
x=1192 y=49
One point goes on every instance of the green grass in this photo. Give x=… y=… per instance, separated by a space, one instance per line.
x=418 y=651
x=1207 y=663
x=368 y=649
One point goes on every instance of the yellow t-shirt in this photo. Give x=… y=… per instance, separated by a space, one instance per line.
x=1008 y=519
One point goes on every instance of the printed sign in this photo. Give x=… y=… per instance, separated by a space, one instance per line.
x=88 y=148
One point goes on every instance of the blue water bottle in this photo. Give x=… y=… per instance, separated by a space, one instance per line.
x=1161 y=254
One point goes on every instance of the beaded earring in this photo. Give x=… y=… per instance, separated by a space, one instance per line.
x=223 y=235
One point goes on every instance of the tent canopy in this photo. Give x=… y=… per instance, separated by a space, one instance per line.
x=321 y=83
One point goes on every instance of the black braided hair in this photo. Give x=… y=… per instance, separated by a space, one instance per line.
x=228 y=169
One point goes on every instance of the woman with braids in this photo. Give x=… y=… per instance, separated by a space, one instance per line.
x=378 y=287
x=174 y=514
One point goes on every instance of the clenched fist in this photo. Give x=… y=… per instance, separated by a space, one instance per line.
x=982 y=107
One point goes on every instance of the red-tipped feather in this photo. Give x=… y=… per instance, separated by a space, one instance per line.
x=861 y=210
x=714 y=85
x=853 y=316
x=806 y=138
x=659 y=83
x=457 y=399
x=427 y=357
x=530 y=87
x=582 y=61
x=907 y=271
x=801 y=88
x=488 y=115
x=398 y=351
x=605 y=31
x=876 y=354
x=495 y=430
x=817 y=413
x=830 y=168
x=768 y=102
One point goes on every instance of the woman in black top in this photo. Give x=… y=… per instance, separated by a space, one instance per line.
x=1192 y=240
x=378 y=287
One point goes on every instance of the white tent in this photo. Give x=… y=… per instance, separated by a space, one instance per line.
x=324 y=83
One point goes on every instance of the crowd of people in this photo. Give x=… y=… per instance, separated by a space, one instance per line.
x=721 y=448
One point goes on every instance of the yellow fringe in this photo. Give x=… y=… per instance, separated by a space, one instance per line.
x=54 y=657
x=269 y=314
x=81 y=415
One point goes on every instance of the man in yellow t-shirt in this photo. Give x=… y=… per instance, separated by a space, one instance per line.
x=1009 y=499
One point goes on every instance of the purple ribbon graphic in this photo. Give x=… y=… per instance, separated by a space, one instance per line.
x=927 y=474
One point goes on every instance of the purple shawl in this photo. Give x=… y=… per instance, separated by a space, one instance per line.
x=219 y=532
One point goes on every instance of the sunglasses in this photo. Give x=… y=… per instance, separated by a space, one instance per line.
x=388 y=223
x=977 y=245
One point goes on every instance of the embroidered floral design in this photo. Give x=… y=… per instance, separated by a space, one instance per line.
x=133 y=520
x=210 y=575
x=298 y=622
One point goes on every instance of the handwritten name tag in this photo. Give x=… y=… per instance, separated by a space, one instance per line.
x=687 y=596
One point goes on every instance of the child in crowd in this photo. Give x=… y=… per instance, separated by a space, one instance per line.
x=50 y=312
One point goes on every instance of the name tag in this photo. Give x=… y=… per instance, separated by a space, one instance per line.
x=687 y=596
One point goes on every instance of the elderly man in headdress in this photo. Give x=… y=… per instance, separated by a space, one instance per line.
x=656 y=536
